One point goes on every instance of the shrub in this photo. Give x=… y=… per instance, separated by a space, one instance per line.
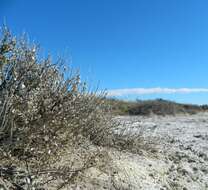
x=44 y=109
x=157 y=107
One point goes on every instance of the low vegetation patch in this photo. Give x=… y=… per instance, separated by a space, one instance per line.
x=53 y=130
x=158 y=107
x=45 y=112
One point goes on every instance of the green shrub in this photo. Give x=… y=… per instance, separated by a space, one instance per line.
x=158 y=107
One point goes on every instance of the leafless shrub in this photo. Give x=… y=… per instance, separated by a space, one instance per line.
x=129 y=136
x=52 y=128
x=43 y=110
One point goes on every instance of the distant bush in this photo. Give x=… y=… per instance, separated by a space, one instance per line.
x=120 y=107
x=44 y=110
x=158 y=107
x=204 y=107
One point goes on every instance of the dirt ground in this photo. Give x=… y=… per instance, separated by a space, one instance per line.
x=182 y=159
x=180 y=163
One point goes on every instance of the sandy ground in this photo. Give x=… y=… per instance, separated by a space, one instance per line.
x=180 y=163
x=182 y=159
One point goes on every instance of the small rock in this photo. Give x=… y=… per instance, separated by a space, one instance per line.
x=195 y=169
x=151 y=175
x=198 y=136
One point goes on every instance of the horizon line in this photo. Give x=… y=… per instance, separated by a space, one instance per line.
x=156 y=90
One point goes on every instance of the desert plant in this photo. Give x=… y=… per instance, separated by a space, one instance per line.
x=44 y=109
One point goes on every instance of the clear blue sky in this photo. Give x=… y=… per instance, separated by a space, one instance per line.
x=123 y=43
